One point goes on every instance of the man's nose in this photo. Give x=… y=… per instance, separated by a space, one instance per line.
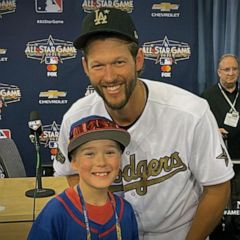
x=109 y=74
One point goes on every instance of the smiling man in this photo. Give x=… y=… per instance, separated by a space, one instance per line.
x=175 y=171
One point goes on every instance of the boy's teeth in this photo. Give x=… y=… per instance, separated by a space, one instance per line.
x=101 y=174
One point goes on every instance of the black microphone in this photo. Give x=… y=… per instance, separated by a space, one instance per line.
x=35 y=125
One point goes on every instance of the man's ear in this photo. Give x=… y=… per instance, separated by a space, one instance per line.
x=139 y=59
x=85 y=66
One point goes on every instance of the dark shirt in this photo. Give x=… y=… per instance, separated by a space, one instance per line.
x=220 y=107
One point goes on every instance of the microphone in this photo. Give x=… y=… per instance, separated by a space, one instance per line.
x=35 y=126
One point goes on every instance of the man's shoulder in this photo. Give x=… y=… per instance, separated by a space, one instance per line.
x=176 y=98
x=86 y=103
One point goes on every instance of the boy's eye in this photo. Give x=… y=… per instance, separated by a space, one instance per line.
x=112 y=152
x=89 y=154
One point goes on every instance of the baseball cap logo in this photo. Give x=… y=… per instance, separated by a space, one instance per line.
x=101 y=17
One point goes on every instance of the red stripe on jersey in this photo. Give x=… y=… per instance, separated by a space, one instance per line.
x=113 y=228
x=74 y=217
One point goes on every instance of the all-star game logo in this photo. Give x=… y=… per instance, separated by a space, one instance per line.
x=49 y=138
x=7 y=6
x=166 y=53
x=51 y=52
x=91 y=5
x=8 y=94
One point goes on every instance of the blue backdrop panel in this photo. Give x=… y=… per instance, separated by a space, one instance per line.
x=41 y=70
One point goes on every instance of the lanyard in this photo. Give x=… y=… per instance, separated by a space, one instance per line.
x=118 y=227
x=232 y=105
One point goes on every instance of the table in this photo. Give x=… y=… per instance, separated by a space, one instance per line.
x=16 y=210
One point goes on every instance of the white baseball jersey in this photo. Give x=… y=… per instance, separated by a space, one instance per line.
x=175 y=149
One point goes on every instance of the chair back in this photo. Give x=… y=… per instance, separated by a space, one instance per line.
x=11 y=164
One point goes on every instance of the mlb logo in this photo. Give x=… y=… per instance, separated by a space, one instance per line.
x=166 y=61
x=51 y=60
x=5 y=133
x=49 y=6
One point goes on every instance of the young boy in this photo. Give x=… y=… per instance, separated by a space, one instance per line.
x=89 y=210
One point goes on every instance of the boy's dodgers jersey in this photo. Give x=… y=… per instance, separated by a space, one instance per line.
x=175 y=149
x=63 y=219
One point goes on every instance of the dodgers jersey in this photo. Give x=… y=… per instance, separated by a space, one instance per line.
x=175 y=149
x=63 y=219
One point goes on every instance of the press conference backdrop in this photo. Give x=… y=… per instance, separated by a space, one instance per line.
x=40 y=70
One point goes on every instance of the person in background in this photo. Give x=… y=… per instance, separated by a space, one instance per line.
x=176 y=170
x=224 y=101
x=89 y=210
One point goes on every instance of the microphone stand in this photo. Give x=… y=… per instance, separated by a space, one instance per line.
x=38 y=191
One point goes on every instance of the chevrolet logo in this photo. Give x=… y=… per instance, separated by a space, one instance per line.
x=50 y=94
x=165 y=6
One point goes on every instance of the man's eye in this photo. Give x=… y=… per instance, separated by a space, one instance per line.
x=120 y=62
x=97 y=66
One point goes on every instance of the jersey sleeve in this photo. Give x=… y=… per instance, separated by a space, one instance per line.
x=210 y=161
x=39 y=233
x=47 y=225
x=129 y=223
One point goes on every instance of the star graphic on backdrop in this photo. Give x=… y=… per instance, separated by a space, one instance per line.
x=224 y=156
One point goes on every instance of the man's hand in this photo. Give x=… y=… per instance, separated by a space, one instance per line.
x=223 y=132
x=213 y=201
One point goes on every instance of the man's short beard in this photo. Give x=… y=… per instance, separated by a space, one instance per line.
x=128 y=93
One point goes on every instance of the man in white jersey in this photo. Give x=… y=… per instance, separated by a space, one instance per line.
x=176 y=170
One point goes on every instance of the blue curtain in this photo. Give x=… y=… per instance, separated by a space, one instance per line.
x=218 y=33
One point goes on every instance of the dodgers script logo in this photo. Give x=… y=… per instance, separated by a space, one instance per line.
x=143 y=174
